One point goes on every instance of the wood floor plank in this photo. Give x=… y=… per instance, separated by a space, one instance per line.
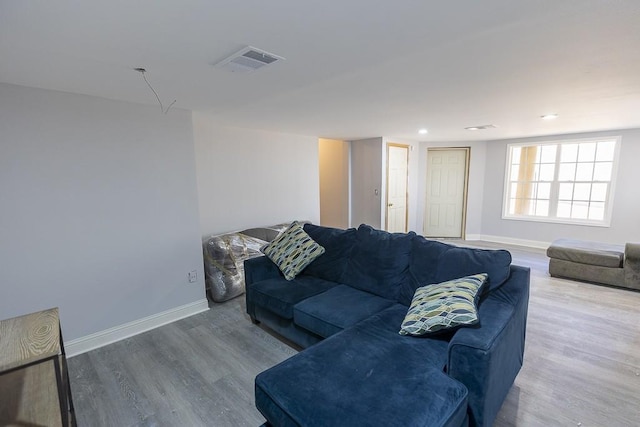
x=581 y=365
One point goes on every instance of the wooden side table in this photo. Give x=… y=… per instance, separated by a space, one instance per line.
x=34 y=381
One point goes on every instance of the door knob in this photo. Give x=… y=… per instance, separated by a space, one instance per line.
x=390 y=204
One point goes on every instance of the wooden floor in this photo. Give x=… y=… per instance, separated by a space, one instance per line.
x=581 y=367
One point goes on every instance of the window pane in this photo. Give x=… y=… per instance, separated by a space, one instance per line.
x=523 y=190
x=599 y=193
x=566 y=192
x=587 y=152
x=580 y=210
x=527 y=171
x=602 y=172
x=521 y=207
x=596 y=211
x=547 y=172
x=548 y=154
x=512 y=206
x=532 y=207
x=514 y=190
x=529 y=154
x=569 y=153
x=515 y=155
x=581 y=192
x=584 y=172
x=536 y=173
x=542 y=208
x=564 y=210
x=544 y=191
x=515 y=169
x=567 y=172
x=605 y=150
x=537 y=150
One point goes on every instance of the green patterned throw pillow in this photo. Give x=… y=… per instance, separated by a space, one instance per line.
x=444 y=306
x=292 y=250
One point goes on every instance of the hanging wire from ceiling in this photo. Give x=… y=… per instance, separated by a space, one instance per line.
x=143 y=71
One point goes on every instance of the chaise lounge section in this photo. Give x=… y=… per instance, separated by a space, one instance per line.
x=616 y=265
x=346 y=309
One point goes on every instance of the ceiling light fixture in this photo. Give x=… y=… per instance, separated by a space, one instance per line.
x=483 y=127
x=549 y=117
x=423 y=131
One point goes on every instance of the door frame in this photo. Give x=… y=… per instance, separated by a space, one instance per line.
x=406 y=195
x=465 y=195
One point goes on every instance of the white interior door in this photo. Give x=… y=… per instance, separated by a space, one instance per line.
x=446 y=192
x=397 y=178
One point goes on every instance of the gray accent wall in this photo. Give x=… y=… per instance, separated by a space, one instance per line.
x=625 y=222
x=366 y=182
x=252 y=178
x=98 y=209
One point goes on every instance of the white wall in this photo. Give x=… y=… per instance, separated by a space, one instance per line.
x=249 y=178
x=625 y=223
x=334 y=182
x=98 y=209
x=477 y=188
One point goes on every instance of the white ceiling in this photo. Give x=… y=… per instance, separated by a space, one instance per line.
x=353 y=69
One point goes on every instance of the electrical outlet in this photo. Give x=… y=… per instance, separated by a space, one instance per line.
x=193 y=276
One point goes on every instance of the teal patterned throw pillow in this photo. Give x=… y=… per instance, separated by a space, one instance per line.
x=444 y=306
x=292 y=250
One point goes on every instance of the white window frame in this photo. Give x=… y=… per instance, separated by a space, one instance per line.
x=606 y=222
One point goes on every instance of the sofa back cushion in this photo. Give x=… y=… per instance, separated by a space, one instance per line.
x=425 y=256
x=436 y=262
x=337 y=244
x=379 y=262
x=460 y=262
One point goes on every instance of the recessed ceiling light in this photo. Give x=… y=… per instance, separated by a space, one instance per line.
x=423 y=131
x=483 y=127
x=549 y=117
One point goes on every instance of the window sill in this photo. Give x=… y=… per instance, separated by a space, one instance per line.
x=582 y=223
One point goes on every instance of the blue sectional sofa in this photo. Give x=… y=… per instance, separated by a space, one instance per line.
x=346 y=309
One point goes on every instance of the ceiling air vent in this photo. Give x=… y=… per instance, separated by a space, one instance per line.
x=248 y=59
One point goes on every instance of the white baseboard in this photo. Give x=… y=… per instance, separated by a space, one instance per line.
x=510 y=241
x=117 y=333
x=472 y=237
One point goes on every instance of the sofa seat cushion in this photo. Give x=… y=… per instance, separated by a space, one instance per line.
x=336 y=309
x=584 y=252
x=280 y=296
x=345 y=380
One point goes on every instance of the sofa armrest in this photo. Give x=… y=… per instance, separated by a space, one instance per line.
x=632 y=265
x=257 y=270
x=487 y=359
